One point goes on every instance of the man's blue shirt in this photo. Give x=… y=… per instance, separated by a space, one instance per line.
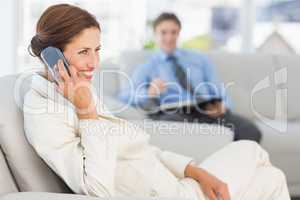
x=200 y=74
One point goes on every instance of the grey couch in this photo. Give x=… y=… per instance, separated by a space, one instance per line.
x=21 y=170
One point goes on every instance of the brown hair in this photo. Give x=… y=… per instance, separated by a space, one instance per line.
x=164 y=17
x=58 y=25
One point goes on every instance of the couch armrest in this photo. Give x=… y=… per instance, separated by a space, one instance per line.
x=56 y=196
x=44 y=196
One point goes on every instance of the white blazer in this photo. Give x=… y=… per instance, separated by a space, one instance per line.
x=104 y=157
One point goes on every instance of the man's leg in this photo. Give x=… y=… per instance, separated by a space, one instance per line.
x=177 y=117
x=183 y=116
x=243 y=128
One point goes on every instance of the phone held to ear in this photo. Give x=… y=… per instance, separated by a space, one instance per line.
x=50 y=57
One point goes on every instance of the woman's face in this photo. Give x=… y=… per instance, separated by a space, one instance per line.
x=83 y=52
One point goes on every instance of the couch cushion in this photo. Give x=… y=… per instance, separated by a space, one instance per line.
x=7 y=183
x=30 y=172
x=106 y=78
x=291 y=62
x=244 y=72
x=273 y=73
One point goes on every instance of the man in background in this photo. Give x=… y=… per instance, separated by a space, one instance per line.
x=174 y=75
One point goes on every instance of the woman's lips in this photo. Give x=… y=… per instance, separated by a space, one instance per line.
x=87 y=74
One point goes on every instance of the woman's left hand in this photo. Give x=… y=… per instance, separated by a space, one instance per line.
x=211 y=186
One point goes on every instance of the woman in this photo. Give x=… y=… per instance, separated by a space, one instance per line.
x=101 y=155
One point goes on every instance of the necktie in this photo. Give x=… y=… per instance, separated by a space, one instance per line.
x=181 y=74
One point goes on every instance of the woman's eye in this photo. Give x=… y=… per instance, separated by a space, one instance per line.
x=84 y=52
x=98 y=49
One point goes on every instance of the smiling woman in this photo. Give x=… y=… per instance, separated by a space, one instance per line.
x=74 y=31
x=98 y=154
x=77 y=34
x=83 y=52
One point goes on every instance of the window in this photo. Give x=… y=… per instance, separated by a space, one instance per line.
x=121 y=28
x=207 y=25
x=277 y=25
x=223 y=25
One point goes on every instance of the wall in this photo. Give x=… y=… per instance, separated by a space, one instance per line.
x=8 y=36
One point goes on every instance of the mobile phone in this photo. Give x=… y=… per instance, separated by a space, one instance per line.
x=50 y=57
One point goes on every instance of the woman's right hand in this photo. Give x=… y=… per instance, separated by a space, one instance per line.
x=211 y=186
x=77 y=91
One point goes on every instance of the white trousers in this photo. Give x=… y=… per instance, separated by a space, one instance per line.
x=247 y=170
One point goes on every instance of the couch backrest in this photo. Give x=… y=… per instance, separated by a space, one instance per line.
x=29 y=171
x=271 y=80
x=106 y=80
x=261 y=77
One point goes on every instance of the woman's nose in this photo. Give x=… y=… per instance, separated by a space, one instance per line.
x=93 y=61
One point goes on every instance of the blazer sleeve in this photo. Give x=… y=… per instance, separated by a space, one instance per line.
x=176 y=163
x=85 y=158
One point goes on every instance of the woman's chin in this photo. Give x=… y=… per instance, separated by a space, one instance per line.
x=88 y=78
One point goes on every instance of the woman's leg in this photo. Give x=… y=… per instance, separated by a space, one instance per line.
x=236 y=164
x=267 y=183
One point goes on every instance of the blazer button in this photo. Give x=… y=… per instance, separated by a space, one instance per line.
x=153 y=193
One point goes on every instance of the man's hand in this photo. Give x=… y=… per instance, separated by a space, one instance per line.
x=211 y=186
x=157 y=87
x=215 y=109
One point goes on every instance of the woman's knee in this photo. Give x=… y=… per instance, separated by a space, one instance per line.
x=253 y=150
x=270 y=176
x=278 y=175
x=249 y=145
